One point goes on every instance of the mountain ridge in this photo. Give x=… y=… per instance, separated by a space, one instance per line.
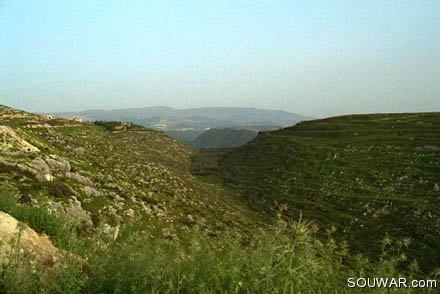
x=219 y=116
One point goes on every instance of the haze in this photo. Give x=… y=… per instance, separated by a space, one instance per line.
x=316 y=58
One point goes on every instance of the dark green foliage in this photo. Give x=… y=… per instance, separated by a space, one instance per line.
x=108 y=125
x=117 y=125
x=367 y=174
x=207 y=161
x=223 y=138
x=185 y=136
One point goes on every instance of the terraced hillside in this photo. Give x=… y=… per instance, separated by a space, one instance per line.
x=112 y=207
x=110 y=175
x=368 y=175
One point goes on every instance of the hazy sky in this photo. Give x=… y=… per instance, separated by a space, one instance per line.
x=317 y=58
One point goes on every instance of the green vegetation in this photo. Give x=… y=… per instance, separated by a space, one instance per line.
x=208 y=161
x=117 y=125
x=287 y=258
x=184 y=136
x=223 y=138
x=63 y=233
x=368 y=175
x=128 y=215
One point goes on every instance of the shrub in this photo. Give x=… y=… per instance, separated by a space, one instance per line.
x=62 y=232
x=288 y=258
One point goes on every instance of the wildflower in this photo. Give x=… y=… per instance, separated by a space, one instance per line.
x=406 y=242
x=387 y=240
x=403 y=257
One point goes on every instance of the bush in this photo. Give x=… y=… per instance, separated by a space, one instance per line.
x=288 y=258
x=62 y=232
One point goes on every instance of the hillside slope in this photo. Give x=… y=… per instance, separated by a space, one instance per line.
x=105 y=179
x=369 y=175
x=223 y=138
x=111 y=207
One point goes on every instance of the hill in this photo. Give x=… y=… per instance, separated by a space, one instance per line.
x=223 y=138
x=186 y=124
x=370 y=176
x=107 y=171
x=197 y=118
x=111 y=207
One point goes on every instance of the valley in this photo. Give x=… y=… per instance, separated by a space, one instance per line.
x=119 y=206
x=370 y=176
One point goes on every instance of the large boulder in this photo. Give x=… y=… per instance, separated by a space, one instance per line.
x=20 y=238
x=81 y=216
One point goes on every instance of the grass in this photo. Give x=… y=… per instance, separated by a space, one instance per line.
x=368 y=175
x=195 y=235
x=287 y=258
x=62 y=232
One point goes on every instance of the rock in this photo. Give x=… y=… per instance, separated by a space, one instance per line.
x=56 y=208
x=58 y=163
x=80 y=150
x=80 y=179
x=40 y=165
x=428 y=148
x=38 y=168
x=90 y=191
x=47 y=178
x=13 y=140
x=81 y=216
x=116 y=232
x=129 y=212
x=31 y=245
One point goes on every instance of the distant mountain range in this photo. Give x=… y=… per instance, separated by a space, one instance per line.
x=186 y=125
x=167 y=118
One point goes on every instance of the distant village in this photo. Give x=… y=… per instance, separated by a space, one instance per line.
x=51 y=117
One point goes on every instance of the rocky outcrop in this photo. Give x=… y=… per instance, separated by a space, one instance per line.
x=80 y=179
x=12 y=141
x=57 y=163
x=19 y=238
x=82 y=217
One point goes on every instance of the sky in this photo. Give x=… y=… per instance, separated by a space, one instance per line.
x=315 y=58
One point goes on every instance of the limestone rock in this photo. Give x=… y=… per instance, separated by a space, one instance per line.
x=76 y=211
x=90 y=191
x=13 y=141
x=47 y=178
x=58 y=163
x=80 y=179
x=40 y=165
x=30 y=244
